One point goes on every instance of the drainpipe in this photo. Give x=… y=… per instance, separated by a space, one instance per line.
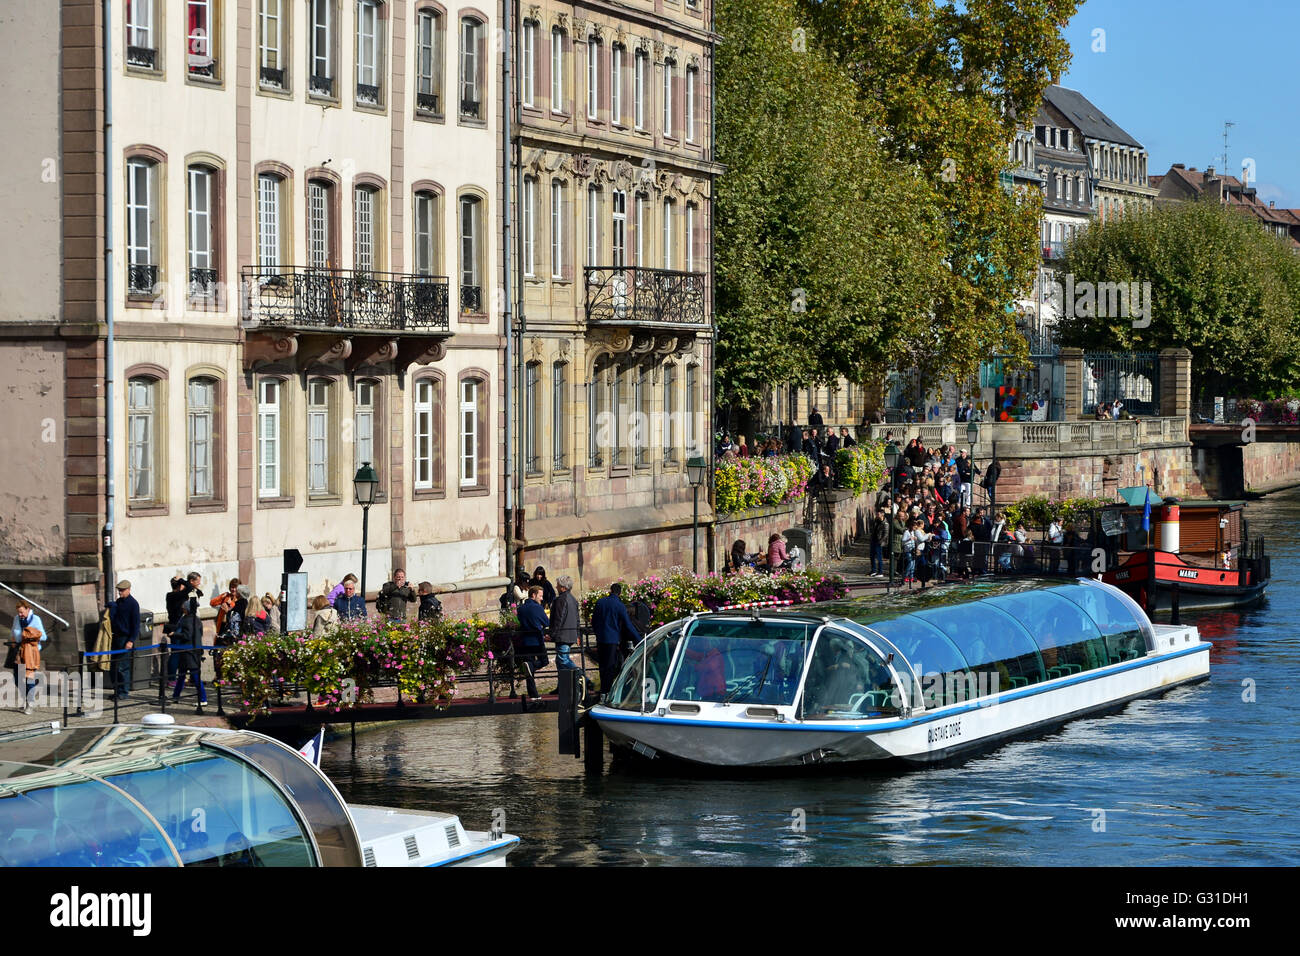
x=515 y=167
x=111 y=492
x=507 y=317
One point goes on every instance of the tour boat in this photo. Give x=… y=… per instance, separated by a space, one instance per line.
x=160 y=794
x=1195 y=554
x=904 y=681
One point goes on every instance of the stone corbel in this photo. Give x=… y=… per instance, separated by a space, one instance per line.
x=536 y=348
x=693 y=61
x=272 y=345
x=313 y=349
x=620 y=37
x=643 y=344
x=665 y=344
x=608 y=342
x=598 y=31
x=580 y=28
x=534 y=12
x=420 y=350
x=372 y=351
x=565 y=348
x=643 y=44
x=672 y=54
x=582 y=165
x=562 y=21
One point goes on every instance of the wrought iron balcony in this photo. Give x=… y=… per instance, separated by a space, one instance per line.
x=637 y=296
x=141 y=279
x=144 y=56
x=367 y=94
x=320 y=86
x=1053 y=250
x=200 y=65
x=290 y=297
x=202 y=281
x=427 y=102
x=471 y=108
x=272 y=77
x=471 y=298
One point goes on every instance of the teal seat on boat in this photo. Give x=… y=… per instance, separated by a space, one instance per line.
x=1019 y=682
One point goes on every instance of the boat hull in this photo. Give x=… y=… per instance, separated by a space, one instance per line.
x=929 y=737
x=1198 y=588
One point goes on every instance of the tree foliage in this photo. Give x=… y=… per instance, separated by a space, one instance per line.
x=1220 y=286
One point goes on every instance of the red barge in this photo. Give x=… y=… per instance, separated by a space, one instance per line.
x=1196 y=554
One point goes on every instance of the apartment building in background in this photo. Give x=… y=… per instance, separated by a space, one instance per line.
x=304 y=202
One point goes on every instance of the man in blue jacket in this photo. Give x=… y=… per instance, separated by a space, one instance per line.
x=124 y=615
x=350 y=605
x=612 y=623
x=533 y=625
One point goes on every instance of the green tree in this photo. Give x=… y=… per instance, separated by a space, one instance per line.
x=1220 y=286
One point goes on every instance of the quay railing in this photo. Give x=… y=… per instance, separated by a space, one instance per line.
x=1016 y=439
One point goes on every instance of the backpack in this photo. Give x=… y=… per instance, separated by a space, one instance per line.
x=382 y=602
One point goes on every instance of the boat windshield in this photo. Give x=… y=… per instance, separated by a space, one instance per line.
x=848 y=678
x=739 y=661
x=638 y=684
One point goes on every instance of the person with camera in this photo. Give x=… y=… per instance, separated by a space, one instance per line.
x=394 y=596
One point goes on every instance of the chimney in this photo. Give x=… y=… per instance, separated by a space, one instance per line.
x=1209 y=170
x=1271 y=203
x=1181 y=166
x=1245 y=180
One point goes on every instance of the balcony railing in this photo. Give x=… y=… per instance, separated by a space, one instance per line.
x=1053 y=250
x=272 y=77
x=144 y=56
x=321 y=86
x=141 y=279
x=292 y=297
x=367 y=94
x=471 y=298
x=638 y=296
x=202 y=281
x=472 y=109
x=426 y=102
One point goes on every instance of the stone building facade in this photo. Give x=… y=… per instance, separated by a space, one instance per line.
x=614 y=198
x=304 y=203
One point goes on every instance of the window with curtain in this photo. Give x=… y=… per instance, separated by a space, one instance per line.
x=638 y=89
x=688 y=236
x=557 y=230
x=669 y=66
x=269 y=417
x=363 y=424
x=616 y=83
x=141 y=34
x=669 y=209
x=200 y=36
x=471 y=69
x=141 y=220
x=428 y=62
x=557 y=70
x=618 y=234
x=471 y=231
x=593 y=226
x=320 y=206
x=201 y=221
x=597 y=429
x=639 y=427
x=616 y=420
x=528 y=225
x=692 y=75
x=642 y=226
x=269 y=232
x=593 y=78
x=528 y=63
x=692 y=410
x=532 y=418
x=366 y=240
x=670 y=411
x=469 y=397
x=425 y=233
x=141 y=442
x=202 y=404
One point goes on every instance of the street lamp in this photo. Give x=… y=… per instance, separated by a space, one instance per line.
x=891 y=462
x=365 y=483
x=972 y=437
x=695 y=469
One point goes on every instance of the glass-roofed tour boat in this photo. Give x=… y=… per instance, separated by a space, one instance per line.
x=909 y=682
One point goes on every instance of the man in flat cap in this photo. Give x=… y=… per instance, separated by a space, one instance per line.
x=124 y=616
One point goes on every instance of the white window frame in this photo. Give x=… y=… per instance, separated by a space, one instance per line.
x=322 y=41
x=471 y=68
x=691 y=75
x=593 y=78
x=618 y=235
x=318 y=437
x=638 y=89
x=141 y=438
x=425 y=233
x=428 y=57
x=559 y=413
x=363 y=422
x=616 y=84
x=369 y=65
x=200 y=242
x=425 y=429
x=692 y=440
x=198 y=45
x=668 y=233
x=557 y=229
x=528 y=226
x=200 y=404
x=268 y=220
x=139 y=237
x=688 y=237
x=528 y=62
x=140 y=24
x=318 y=224
x=468 y=420
x=642 y=206
x=470 y=239
x=668 y=98
x=363 y=219
x=593 y=226
x=557 y=70
x=270 y=392
x=270 y=37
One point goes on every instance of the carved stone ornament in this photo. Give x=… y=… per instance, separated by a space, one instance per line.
x=598 y=31
x=565 y=347
x=620 y=37
x=672 y=54
x=535 y=12
x=582 y=165
x=658 y=50
x=694 y=61
x=643 y=343
x=665 y=344
x=643 y=44
x=536 y=348
x=608 y=342
x=562 y=21
x=580 y=28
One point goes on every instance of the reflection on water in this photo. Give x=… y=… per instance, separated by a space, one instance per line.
x=1205 y=775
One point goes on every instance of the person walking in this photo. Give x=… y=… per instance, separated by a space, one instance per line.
x=532 y=641
x=125 y=618
x=394 y=596
x=564 y=622
x=350 y=605
x=613 y=625
x=430 y=606
x=189 y=637
x=29 y=635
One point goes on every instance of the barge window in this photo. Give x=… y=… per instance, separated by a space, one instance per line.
x=939 y=665
x=847 y=677
x=740 y=662
x=1068 y=638
x=1000 y=652
x=1126 y=636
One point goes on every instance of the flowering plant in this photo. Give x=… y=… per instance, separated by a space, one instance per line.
x=744 y=483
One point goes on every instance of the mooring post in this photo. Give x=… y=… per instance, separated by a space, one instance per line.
x=568 y=739
x=595 y=743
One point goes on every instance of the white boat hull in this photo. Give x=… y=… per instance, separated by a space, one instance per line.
x=721 y=735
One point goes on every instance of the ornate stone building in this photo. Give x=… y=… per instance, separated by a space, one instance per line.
x=614 y=188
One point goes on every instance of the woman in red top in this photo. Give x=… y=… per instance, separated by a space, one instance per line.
x=776 y=555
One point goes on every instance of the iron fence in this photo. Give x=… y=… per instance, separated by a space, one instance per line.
x=291 y=297
x=1130 y=377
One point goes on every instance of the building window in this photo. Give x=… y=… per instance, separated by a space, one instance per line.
x=269 y=234
x=321 y=78
x=557 y=70
x=532 y=415
x=370 y=53
x=469 y=445
x=426 y=233
x=320 y=213
x=367 y=244
x=141 y=223
x=363 y=424
x=616 y=407
x=668 y=98
x=593 y=226
x=670 y=411
x=528 y=62
x=638 y=89
x=559 y=417
x=471 y=251
x=200 y=437
x=642 y=226
x=688 y=236
x=201 y=232
x=669 y=206
x=272 y=48
x=471 y=69
x=692 y=399
x=141 y=35
x=528 y=225
x=618 y=237
x=593 y=79
x=201 y=38
x=428 y=63
x=320 y=394
x=428 y=434
x=557 y=230
x=596 y=414
x=691 y=75
x=616 y=84
x=142 y=446
x=270 y=479
x=639 y=427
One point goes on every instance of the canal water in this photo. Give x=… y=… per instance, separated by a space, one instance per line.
x=1205 y=775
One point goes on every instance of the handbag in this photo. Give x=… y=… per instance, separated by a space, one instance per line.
x=11 y=658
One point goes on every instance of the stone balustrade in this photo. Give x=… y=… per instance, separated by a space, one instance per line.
x=1028 y=439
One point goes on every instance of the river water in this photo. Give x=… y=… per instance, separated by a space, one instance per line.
x=1204 y=775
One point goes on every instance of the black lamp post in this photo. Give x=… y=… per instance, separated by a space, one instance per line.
x=365 y=483
x=972 y=437
x=891 y=462
x=695 y=469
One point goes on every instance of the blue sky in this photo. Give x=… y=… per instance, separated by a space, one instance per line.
x=1173 y=70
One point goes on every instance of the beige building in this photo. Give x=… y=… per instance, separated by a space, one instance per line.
x=304 y=198
x=614 y=162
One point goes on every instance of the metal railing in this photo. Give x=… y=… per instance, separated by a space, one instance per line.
x=144 y=56
x=368 y=94
x=141 y=279
x=427 y=102
x=633 y=295
x=320 y=85
x=272 y=77
x=1131 y=377
x=35 y=606
x=293 y=297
